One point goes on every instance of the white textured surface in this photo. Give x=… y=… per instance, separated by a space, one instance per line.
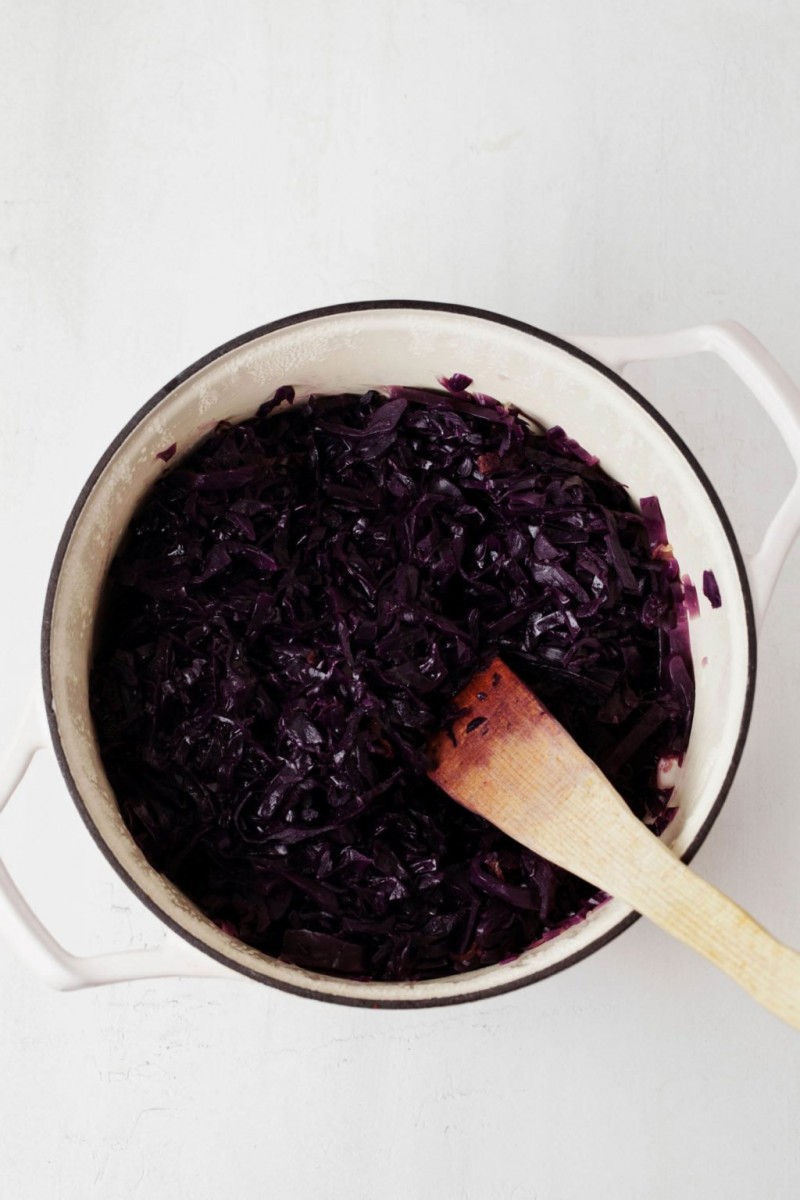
x=176 y=173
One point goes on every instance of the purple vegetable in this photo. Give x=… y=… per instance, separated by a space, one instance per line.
x=690 y=597
x=456 y=383
x=656 y=527
x=711 y=589
x=292 y=611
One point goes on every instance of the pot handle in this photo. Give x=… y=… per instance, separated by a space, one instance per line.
x=772 y=388
x=34 y=943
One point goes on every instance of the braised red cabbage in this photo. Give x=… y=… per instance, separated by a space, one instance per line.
x=287 y=621
x=711 y=589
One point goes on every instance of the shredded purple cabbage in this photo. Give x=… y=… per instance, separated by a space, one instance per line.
x=292 y=611
x=711 y=589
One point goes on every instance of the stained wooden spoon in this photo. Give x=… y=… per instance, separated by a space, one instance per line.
x=509 y=760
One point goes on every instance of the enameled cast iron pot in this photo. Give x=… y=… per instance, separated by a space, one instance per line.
x=349 y=348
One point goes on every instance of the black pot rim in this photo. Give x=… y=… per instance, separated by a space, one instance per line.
x=311 y=315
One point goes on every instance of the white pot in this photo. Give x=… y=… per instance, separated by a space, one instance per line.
x=350 y=348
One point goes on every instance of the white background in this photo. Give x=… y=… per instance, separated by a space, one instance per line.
x=176 y=173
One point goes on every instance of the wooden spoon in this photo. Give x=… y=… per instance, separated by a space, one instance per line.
x=510 y=761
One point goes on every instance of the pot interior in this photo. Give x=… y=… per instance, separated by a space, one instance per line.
x=351 y=350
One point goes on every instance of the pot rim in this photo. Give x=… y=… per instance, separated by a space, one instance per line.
x=297 y=319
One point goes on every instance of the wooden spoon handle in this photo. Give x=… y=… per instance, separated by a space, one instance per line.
x=621 y=856
x=667 y=892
